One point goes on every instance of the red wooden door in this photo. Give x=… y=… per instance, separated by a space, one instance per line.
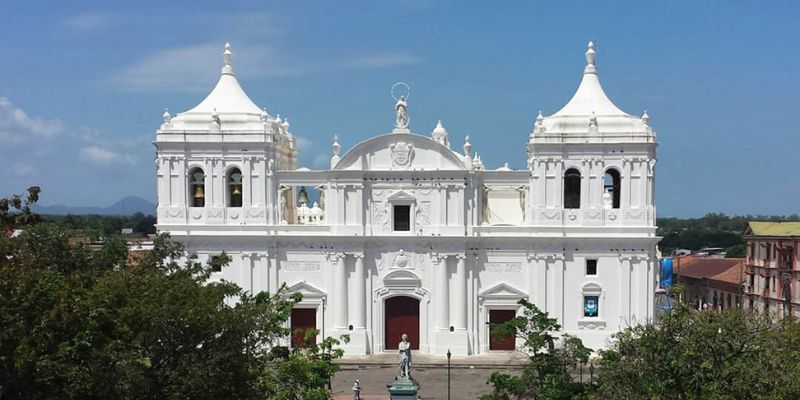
x=498 y=317
x=402 y=316
x=303 y=319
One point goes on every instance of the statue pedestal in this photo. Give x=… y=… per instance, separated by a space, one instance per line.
x=403 y=389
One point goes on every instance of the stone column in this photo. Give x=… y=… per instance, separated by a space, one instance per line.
x=339 y=300
x=625 y=289
x=442 y=295
x=272 y=266
x=246 y=272
x=460 y=294
x=360 y=308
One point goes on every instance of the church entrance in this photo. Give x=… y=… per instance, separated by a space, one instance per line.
x=303 y=320
x=498 y=317
x=402 y=316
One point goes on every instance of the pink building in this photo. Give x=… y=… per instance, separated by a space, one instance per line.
x=772 y=267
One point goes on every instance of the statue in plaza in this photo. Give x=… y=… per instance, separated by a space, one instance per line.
x=405 y=356
x=404 y=386
x=402 y=114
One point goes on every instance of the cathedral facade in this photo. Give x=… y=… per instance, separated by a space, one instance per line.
x=408 y=233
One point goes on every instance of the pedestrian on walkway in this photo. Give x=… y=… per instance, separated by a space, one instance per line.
x=357 y=390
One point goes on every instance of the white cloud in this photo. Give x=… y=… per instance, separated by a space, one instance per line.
x=381 y=60
x=98 y=154
x=89 y=21
x=16 y=125
x=195 y=68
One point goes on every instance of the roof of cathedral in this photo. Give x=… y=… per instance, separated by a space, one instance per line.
x=590 y=97
x=590 y=111
x=400 y=151
x=226 y=108
x=227 y=96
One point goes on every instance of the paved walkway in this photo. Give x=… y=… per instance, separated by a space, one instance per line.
x=468 y=375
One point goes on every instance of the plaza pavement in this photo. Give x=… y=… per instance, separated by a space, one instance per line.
x=468 y=375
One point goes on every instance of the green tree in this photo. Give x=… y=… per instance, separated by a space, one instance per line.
x=551 y=360
x=302 y=373
x=80 y=323
x=694 y=354
x=15 y=211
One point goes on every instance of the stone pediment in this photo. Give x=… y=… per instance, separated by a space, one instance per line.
x=308 y=291
x=401 y=278
x=503 y=291
x=400 y=152
x=401 y=196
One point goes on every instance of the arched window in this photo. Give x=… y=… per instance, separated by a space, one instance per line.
x=572 y=188
x=234 y=181
x=611 y=185
x=197 y=187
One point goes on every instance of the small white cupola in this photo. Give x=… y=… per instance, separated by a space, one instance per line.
x=439 y=134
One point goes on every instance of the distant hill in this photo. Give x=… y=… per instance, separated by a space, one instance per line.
x=126 y=206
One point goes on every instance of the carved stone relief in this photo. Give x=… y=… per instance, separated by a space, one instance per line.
x=424 y=213
x=503 y=266
x=300 y=266
x=380 y=215
x=400 y=260
x=402 y=154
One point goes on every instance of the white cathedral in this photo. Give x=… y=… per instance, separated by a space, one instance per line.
x=411 y=235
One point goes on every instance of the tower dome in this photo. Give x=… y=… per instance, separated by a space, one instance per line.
x=227 y=107
x=590 y=110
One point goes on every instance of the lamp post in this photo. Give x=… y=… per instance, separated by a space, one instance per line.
x=448 y=373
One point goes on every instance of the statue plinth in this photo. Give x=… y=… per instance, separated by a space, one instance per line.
x=403 y=389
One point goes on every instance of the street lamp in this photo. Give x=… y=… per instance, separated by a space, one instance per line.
x=448 y=373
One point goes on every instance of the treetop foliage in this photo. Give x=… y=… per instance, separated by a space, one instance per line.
x=711 y=230
x=86 y=323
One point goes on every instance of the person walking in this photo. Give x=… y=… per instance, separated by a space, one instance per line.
x=357 y=390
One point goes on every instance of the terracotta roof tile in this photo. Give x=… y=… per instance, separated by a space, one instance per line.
x=718 y=269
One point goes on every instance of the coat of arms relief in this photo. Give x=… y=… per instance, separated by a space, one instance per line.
x=402 y=154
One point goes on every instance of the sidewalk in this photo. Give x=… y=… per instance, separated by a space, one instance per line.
x=468 y=375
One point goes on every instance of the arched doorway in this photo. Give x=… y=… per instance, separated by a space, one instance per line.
x=402 y=316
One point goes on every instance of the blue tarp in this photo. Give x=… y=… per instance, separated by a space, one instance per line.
x=666 y=273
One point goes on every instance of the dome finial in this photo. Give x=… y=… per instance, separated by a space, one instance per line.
x=227 y=58
x=336 y=146
x=591 y=55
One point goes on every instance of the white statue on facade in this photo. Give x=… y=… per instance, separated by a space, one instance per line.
x=402 y=113
x=608 y=201
x=405 y=356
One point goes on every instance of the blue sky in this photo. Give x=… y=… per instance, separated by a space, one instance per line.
x=83 y=84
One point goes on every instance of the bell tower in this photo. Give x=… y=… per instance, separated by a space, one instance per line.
x=591 y=164
x=216 y=162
